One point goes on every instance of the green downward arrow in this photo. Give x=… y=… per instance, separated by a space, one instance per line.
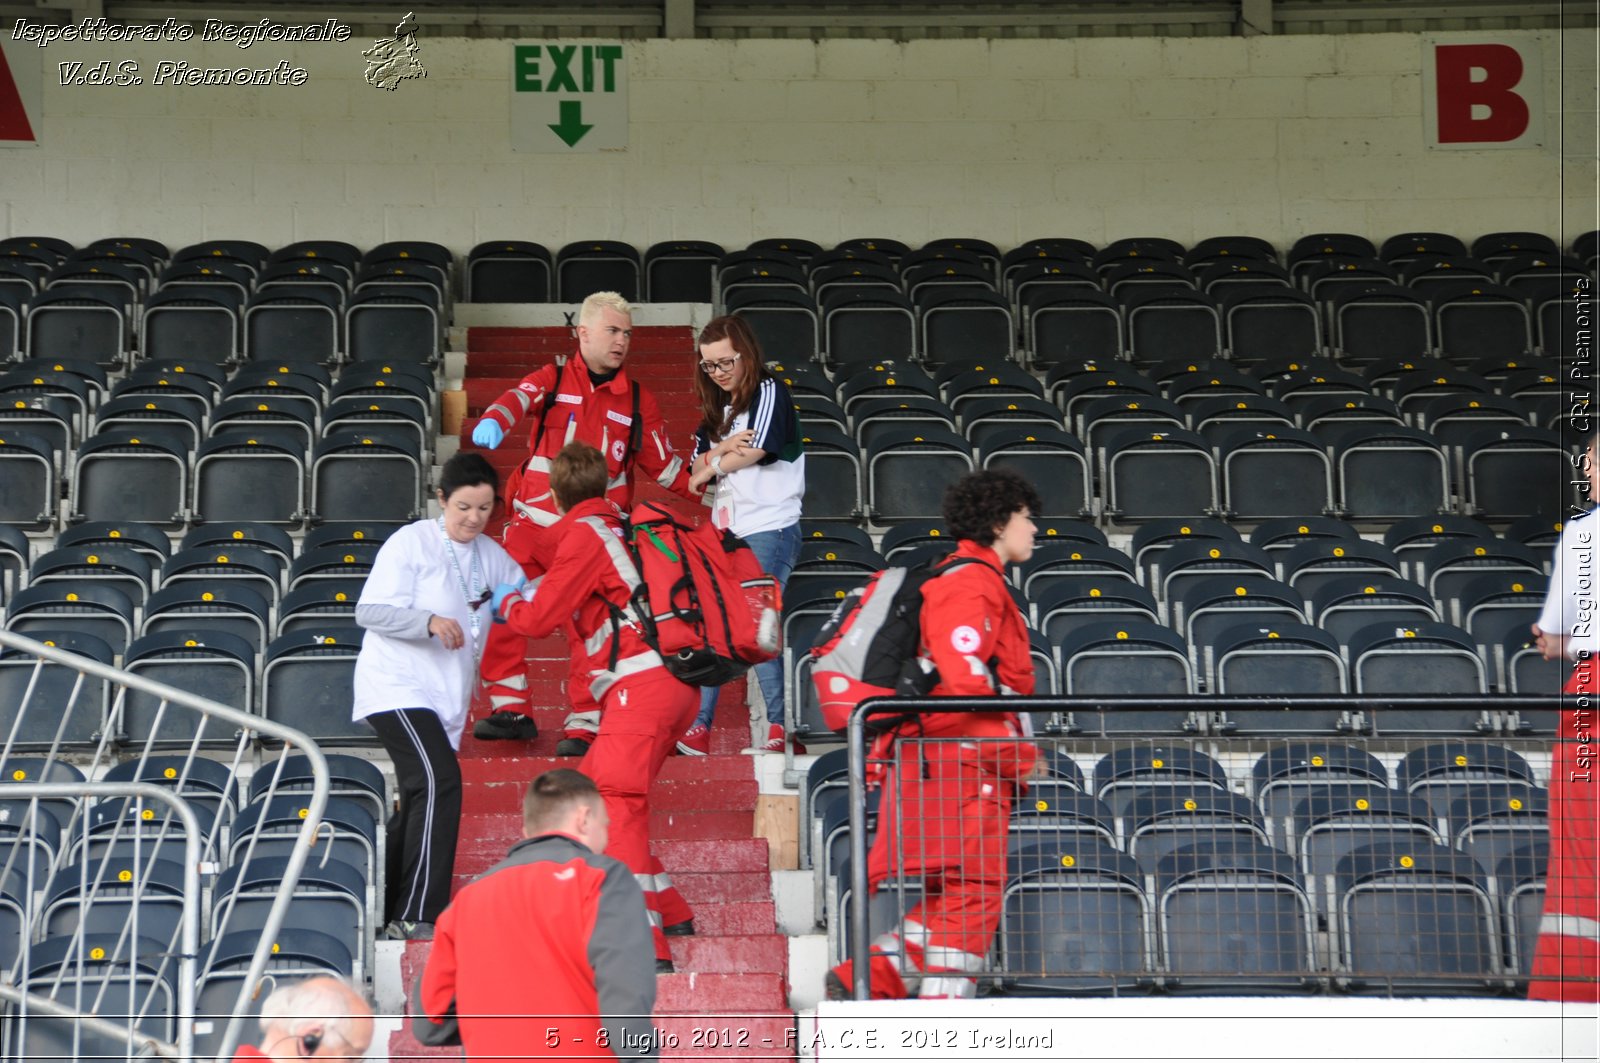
x=571 y=128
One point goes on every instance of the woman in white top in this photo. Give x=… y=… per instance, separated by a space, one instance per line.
x=425 y=620
x=748 y=446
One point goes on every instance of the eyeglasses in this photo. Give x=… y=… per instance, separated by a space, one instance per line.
x=718 y=368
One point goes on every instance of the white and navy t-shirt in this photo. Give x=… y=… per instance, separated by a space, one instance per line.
x=764 y=496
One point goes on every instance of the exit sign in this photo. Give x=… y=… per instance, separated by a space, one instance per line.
x=569 y=97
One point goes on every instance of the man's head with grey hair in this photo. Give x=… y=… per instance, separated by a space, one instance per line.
x=320 y=1018
x=605 y=327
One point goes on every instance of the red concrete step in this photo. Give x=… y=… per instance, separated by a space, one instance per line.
x=730 y=768
x=480 y=828
x=683 y=856
x=731 y=954
x=726 y=892
x=736 y=918
x=558 y=339
x=729 y=1036
x=403 y=1048
x=696 y=862
x=686 y=796
x=669 y=825
x=723 y=887
x=689 y=992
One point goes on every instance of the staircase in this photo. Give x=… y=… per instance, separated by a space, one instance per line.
x=729 y=994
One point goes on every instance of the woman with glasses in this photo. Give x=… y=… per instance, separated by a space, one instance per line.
x=425 y=620
x=749 y=458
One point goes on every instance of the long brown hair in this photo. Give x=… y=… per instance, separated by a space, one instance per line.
x=712 y=398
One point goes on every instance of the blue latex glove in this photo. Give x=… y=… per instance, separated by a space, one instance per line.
x=488 y=433
x=501 y=593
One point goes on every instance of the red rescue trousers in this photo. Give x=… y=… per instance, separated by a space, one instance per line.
x=504 y=660
x=1566 y=963
x=943 y=818
x=642 y=719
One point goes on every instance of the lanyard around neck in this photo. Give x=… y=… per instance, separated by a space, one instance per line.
x=476 y=573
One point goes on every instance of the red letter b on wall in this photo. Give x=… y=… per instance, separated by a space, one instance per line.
x=1476 y=104
x=1484 y=94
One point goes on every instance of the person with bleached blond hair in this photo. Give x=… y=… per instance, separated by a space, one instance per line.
x=586 y=399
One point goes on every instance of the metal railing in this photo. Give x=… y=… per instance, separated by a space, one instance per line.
x=66 y=721
x=1197 y=860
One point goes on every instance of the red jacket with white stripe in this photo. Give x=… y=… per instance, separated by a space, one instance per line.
x=600 y=416
x=976 y=636
x=547 y=955
x=590 y=573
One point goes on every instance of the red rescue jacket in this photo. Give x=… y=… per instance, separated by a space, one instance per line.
x=548 y=955
x=948 y=805
x=600 y=416
x=590 y=574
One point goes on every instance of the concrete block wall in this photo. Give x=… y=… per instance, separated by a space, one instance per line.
x=734 y=140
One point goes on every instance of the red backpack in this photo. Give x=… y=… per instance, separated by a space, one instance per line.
x=703 y=601
x=870 y=646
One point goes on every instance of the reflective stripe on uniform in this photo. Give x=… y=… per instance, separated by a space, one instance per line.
x=936 y=958
x=978 y=668
x=1570 y=926
x=659 y=883
x=670 y=473
x=615 y=553
x=639 y=662
x=958 y=988
x=541 y=517
x=897 y=950
x=623 y=565
x=582 y=721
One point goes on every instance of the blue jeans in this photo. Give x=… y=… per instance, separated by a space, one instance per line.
x=776 y=551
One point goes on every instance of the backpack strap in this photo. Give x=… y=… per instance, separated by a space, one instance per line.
x=635 y=429
x=544 y=409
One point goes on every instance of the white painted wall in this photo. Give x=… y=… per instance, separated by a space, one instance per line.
x=736 y=140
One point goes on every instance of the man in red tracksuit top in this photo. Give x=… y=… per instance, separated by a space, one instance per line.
x=590 y=399
x=543 y=956
x=945 y=809
x=645 y=706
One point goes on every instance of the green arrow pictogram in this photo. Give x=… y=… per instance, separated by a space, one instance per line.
x=571 y=128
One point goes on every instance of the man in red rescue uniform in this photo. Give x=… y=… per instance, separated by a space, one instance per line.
x=588 y=399
x=945 y=806
x=1566 y=963
x=590 y=582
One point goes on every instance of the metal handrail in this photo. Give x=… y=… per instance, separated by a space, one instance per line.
x=315 y=806
x=189 y=931
x=858 y=946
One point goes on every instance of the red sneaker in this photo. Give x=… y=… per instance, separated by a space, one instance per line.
x=696 y=741
x=776 y=738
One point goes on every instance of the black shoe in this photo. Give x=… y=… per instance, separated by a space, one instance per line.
x=506 y=724
x=664 y=967
x=679 y=930
x=572 y=747
x=837 y=990
x=403 y=931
